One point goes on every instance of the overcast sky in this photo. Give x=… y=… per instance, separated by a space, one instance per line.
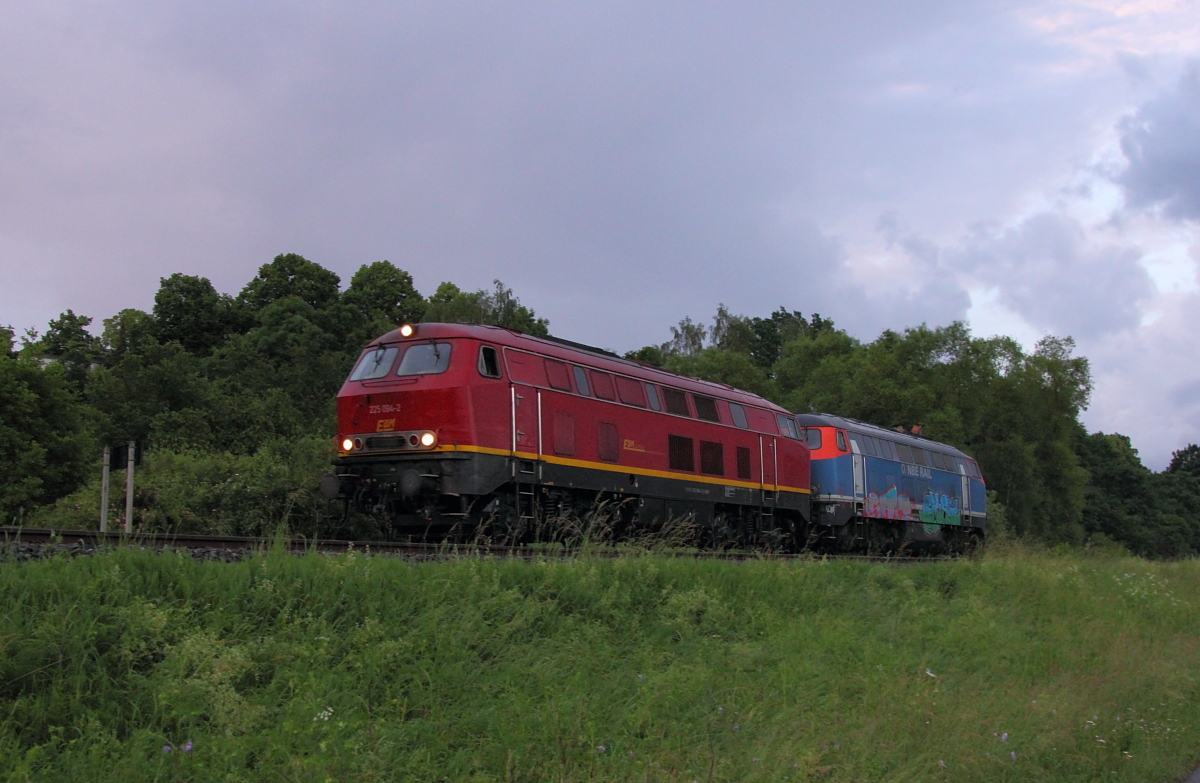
x=1029 y=167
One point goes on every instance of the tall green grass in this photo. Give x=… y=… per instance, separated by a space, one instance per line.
x=1017 y=666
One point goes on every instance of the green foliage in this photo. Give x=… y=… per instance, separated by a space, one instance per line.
x=355 y=668
x=68 y=343
x=45 y=434
x=1152 y=515
x=1186 y=460
x=186 y=490
x=189 y=311
x=498 y=307
x=382 y=297
x=291 y=275
x=128 y=332
x=722 y=366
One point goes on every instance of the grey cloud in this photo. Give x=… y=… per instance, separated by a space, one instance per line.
x=1146 y=386
x=1162 y=143
x=1048 y=271
x=620 y=164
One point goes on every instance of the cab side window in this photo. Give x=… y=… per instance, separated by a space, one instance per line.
x=489 y=362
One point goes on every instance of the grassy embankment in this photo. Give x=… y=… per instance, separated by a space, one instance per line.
x=1019 y=666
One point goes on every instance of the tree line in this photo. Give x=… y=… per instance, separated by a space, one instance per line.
x=234 y=397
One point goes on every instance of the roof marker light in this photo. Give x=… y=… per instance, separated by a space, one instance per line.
x=407 y=330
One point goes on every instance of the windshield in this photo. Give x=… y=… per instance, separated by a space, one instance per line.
x=374 y=364
x=425 y=359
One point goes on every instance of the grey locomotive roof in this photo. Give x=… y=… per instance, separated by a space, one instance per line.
x=895 y=436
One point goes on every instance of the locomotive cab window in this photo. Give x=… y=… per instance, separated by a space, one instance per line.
x=787 y=426
x=489 y=362
x=374 y=364
x=425 y=359
x=841 y=440
x=739 y=415
x=813 y=438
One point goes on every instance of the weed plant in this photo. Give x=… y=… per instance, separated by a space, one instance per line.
x=1016 y=666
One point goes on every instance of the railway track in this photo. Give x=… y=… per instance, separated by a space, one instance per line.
x=29 y=543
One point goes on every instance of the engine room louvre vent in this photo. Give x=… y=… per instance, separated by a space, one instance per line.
x=676 y=401
x=564 y=434
x=681 y=453
x=706 y=408
x=712 y=458
x=743 y=462
x=609 y=446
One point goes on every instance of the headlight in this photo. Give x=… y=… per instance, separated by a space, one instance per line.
x=347 y=444
x=428 y=439
x=407 y=330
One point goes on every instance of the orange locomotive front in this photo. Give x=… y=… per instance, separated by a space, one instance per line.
x=456 y=429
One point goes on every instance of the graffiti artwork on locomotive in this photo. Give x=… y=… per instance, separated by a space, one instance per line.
x=881 y=489
x=450 y=430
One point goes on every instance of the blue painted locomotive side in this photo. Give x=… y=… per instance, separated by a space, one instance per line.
x=872 y=476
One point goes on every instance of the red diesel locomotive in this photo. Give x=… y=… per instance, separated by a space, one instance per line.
x=450 y=429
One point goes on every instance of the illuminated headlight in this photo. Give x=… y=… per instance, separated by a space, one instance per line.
x=347 y=444
x=407 y=330
x=428 y=439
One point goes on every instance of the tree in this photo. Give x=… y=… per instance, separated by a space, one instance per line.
x=45 y=434
x=383 y=297
x=687 y=339
x=1186 y=460
x=126 y=332
x=189 y=310
x=499 y=307
x=291 y=275
x=68 y=342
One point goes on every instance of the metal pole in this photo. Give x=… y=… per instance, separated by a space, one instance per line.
x=129 y=487
x=104 y=491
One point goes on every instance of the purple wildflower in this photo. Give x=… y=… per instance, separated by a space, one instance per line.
x=166 y=748
x=1004 y=737
x=601 y=748
x=187 y=747
x=1014 y=755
